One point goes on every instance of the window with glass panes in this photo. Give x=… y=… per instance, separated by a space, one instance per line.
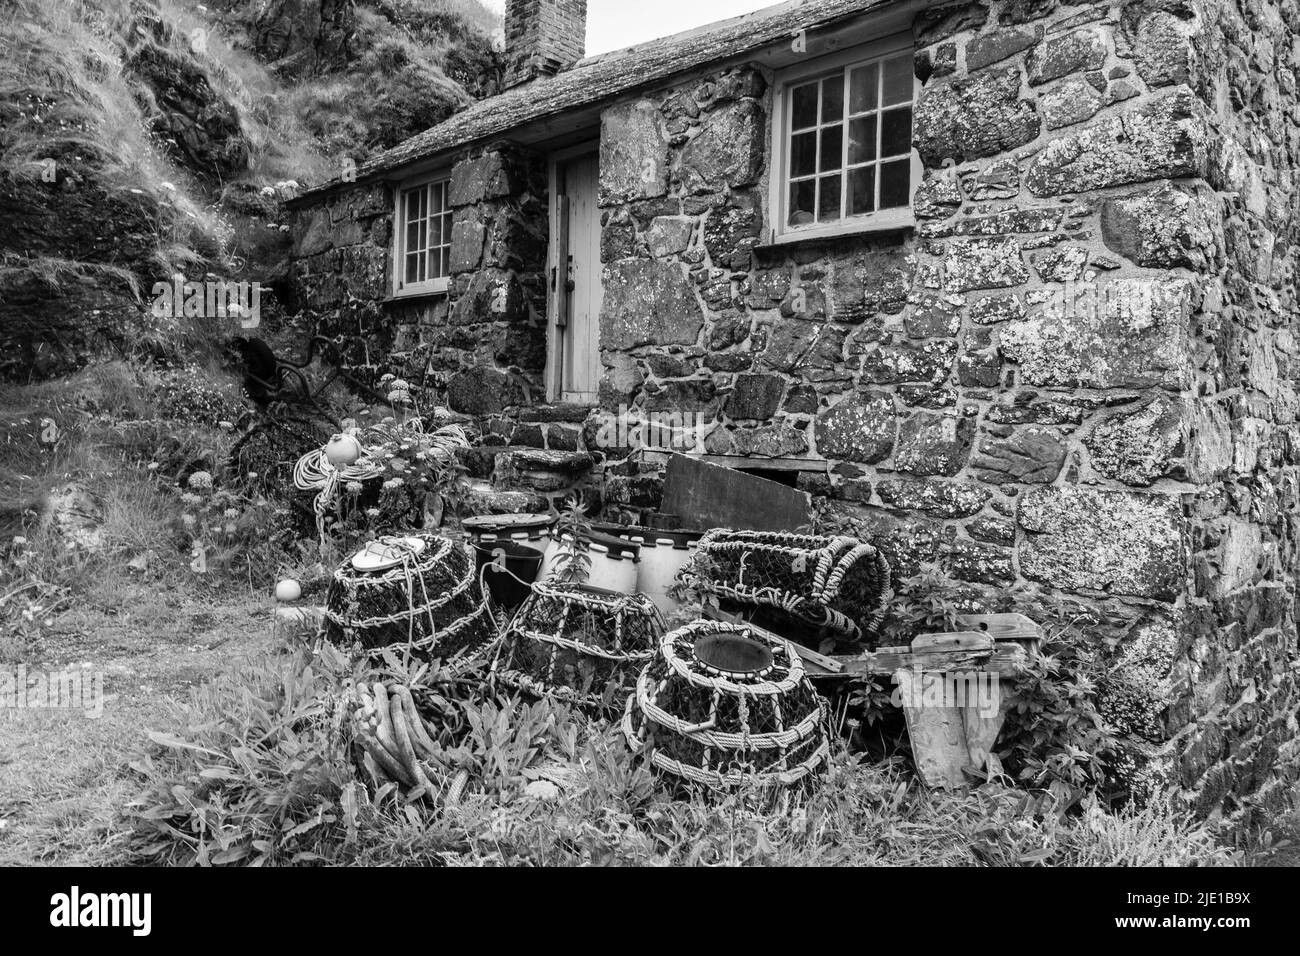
x=426 y=232
x=849 y=145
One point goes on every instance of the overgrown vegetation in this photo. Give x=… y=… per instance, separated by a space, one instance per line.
x=142 y=139
x=256 y=769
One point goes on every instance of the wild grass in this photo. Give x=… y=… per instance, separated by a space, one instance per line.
x=100 y=443
x=255 y=768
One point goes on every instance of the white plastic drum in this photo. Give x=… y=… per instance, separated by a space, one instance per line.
x=531 y=529
x=613 y=563
x=663 y=554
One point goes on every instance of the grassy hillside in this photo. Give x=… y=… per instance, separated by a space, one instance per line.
x=140 y=138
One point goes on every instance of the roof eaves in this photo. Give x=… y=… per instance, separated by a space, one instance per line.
x=606 y=76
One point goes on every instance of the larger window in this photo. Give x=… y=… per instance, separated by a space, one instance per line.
x=423 y=238
x=845 y=143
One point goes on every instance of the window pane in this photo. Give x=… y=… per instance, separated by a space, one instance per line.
x=423 y=268
x=803 y=111
x=833 y=98
x=412 y=237
x=412 y=268
x=444 y=265
x=895 y=183
x=898 y=80
x=896 y=132
x=862 y=139
x=803 y=195
x=864 y=88
x=832 y=147
x=803 y=158
x=435 y=232
x=862 y=190
x=828 y=198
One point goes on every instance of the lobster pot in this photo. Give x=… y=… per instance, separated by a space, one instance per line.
x=724 y=705
x=578 y=643
x=419 y=589
x=663 y=555
x=838 y=585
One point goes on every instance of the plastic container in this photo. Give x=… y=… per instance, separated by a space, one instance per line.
x=508 y=569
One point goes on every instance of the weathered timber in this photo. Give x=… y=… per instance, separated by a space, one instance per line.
x=707 y=496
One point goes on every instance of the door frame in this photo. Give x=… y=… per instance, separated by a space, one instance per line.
x=557 y=295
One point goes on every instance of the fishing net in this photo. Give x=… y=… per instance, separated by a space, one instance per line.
x=427 y=460
x=723 y=705
x=579 y=644
x=429 y=599
x=837 y=584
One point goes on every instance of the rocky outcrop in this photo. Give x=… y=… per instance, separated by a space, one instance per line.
x=201 y=129
x=300 y=37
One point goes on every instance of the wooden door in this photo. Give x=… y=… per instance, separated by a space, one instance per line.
x=577 y=276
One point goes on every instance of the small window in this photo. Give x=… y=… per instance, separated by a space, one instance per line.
x=423 y=238
x=846 y=145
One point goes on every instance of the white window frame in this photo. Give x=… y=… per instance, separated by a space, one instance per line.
x=430 y=286
x=901 y=217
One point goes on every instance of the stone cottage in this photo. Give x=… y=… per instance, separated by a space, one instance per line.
x=1009 y=286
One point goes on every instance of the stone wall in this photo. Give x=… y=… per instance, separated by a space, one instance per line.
x=483 y=343
x=342 y=272
x=1073 y=379
x=1234 y=716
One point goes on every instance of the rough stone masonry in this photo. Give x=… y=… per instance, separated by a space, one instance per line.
x=1076 y=376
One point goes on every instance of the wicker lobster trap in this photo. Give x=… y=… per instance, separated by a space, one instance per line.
x=580 y=644
x=420 y=590
x=836 y=585
x=722 y=705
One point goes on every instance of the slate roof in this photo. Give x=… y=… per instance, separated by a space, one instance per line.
x=611 y=74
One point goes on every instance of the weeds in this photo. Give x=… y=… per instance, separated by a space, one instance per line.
x=254 y=770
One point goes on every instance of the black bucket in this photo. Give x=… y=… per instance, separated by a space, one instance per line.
x=508 y=587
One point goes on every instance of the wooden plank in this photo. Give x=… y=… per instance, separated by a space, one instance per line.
x=982 y=732
x=1004 y=627
x=771 y=464
x=952 y=742
x=1005 y=660
x=952 y=641
x=707 y=496
x=938 y=737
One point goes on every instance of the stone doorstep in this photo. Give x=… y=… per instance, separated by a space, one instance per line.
x=526 y=461
x=554 y=413
x=544 y=482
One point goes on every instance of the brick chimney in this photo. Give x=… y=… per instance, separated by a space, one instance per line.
x=543 y=37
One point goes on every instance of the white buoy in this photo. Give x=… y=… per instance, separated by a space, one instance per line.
x=342 y=450
x=288 y=590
